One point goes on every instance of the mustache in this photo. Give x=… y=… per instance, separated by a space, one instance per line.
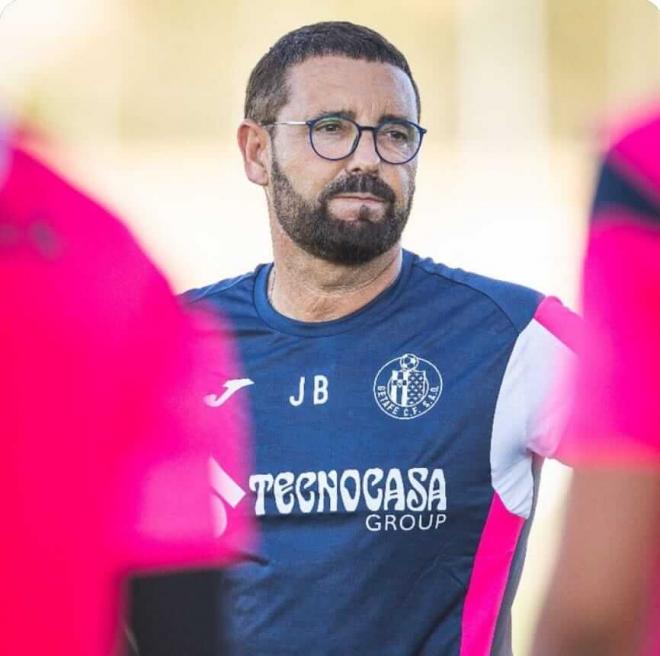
x=361 y=184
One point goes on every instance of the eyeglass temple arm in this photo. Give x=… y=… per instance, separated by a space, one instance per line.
x=265 y=125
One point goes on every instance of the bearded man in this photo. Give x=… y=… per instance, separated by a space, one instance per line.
x=399 y=406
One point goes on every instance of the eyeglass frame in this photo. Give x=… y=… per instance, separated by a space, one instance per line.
x=360 y=128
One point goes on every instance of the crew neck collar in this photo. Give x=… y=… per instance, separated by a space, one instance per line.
x=362 y=316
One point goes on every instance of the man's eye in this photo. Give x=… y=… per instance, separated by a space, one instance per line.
x=397 y=135
x=330 y=127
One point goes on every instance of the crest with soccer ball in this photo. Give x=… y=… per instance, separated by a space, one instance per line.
x=407 y=387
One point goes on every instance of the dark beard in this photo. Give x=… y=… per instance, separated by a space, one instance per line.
x=311 y=226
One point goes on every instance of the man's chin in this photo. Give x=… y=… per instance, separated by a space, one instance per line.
x=349 y=257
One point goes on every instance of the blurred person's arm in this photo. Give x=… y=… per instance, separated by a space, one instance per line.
x=598 y=595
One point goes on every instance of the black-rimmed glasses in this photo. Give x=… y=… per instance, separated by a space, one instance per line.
x=397 y=141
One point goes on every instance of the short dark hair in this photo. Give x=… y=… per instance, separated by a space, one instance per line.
x=267 y=90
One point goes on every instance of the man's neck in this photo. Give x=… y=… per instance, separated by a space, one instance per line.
x=309 y=289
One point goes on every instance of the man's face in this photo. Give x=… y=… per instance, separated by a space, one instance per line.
x=351 y=210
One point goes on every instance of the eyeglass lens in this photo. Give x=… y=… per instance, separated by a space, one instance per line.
x=334 y=138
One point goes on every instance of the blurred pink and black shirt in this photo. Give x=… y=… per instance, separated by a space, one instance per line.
x=617 y=413
x=111 y=461
x=616 y=409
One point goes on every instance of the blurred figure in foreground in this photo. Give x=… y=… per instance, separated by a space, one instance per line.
x=604 y=595
x=112 y=462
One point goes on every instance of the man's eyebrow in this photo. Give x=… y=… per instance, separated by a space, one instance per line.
x=349 y=113
x=344 y=113
x=393 y=117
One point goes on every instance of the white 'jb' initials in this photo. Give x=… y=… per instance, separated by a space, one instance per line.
x=319 y=391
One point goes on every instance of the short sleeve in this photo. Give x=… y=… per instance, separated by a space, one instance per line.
x=529 y=415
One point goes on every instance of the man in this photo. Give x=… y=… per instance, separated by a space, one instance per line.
x=604 y=595
x=107 y=444
x=398 y=404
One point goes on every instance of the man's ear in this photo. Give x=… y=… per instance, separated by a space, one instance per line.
x=253 y=142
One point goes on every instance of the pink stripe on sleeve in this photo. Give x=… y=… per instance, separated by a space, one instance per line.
x=560 y=321
x=488 y=582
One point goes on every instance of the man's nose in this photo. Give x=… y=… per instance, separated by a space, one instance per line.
x=364 y=159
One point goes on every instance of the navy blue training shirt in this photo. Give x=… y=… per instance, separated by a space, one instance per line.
x=394 y=467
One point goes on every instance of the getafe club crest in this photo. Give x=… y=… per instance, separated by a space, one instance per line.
x=407 y=387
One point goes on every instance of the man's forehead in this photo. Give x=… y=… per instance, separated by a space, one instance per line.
x=334 y=83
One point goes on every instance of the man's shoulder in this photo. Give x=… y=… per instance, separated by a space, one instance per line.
x=226 y=290
x=517 y=302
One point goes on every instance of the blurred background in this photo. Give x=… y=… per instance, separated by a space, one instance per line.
x=141 y=99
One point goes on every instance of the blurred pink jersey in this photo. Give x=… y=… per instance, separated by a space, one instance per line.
x=616 y=417
x=111 y=460
x=617 y=413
